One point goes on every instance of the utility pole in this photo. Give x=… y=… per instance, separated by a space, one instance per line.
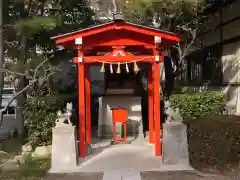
x=1 y=55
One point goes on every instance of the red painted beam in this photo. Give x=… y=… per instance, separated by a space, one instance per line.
x=88 y=105
x=121 y=42
x=115 y=26
x=151 y=32
x=81 y=110
x=156 y=99
x=141 y=49
x=91 y=59
x=118 y=38
x=86 y=32
x=150 y=105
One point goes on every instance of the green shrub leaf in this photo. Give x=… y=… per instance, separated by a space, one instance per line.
x=194 y=105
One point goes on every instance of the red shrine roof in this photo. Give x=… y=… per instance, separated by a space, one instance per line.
x=117 y=25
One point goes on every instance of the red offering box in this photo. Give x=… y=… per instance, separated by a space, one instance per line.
x=119 y=115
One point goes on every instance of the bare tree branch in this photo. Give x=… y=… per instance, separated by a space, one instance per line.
x=184 y=52
x=12 y=72
x=33 y=81
x=52 y=69
x=114 y=6
x=38 y=67
x=40 y=80
x=46 y=77
x=194 y=36
x=179 y=52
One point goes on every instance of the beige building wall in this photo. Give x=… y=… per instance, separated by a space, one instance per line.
x=230 y=51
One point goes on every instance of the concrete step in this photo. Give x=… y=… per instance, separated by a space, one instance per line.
x=124 y=175
x=131 y=175
x=112 y=175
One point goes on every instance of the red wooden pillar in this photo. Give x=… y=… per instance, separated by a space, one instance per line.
x=81 y=105
x=150 y=105
x=156 y=86
x=88 y=105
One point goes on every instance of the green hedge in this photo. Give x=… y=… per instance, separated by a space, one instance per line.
x=40 y=114
x=193 y=105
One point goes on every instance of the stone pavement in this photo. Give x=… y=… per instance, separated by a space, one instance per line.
x=75 y=176
x=122 y=158
x=124 y=175
x=135 y=161
x=125 y=157
x=157 y=175
x=179 y=175
x=121 y=162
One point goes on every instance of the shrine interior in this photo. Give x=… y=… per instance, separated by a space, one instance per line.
x=121 y=84
x=126 y=82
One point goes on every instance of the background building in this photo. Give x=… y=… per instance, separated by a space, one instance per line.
x=215 y=59
x=9 y=124
x=105 y=8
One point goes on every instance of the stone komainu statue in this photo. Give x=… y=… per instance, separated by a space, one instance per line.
x=173 y=115
x=64 y=118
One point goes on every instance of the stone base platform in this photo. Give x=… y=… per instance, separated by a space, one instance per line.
x=135 y=157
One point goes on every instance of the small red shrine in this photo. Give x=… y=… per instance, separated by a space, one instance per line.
x=119 y=40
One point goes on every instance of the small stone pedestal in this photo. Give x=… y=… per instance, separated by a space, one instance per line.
x=64 y=150
x=175 y=144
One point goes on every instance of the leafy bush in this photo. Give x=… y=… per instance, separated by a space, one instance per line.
x=4 y=156
x=199 y=104
x=35 y=167
x=39 y=118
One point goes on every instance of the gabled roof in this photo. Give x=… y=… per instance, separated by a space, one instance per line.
x=117 y=25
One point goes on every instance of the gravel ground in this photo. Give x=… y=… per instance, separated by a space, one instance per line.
x=214 y=142
x=75 y=176
x=181 y=175
x=192 y=175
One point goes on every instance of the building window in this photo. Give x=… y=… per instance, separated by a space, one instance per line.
x=10 y=111
x=212 y=65
x=193 y=73
x=205 y=66
x=8 y=91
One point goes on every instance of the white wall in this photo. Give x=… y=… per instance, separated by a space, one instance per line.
x=132 y=104
x=10 y=123
x=231 y=62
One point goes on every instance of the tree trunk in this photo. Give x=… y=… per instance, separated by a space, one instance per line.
x=21 y=83
x=1 y=55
